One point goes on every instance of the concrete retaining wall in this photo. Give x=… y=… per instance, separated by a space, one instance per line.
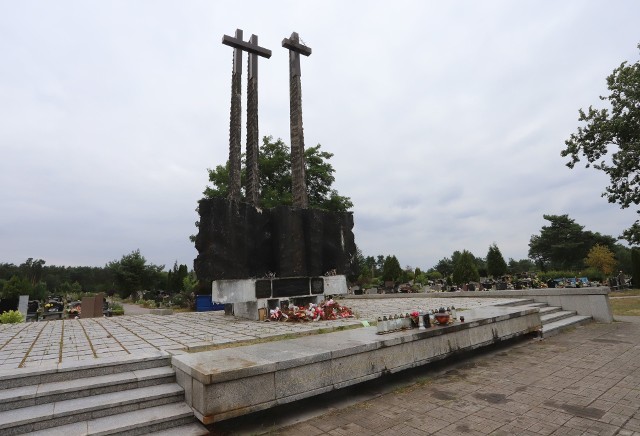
x=230 y=382
x=592 y=302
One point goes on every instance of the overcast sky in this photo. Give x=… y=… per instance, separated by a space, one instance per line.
x=446 y=119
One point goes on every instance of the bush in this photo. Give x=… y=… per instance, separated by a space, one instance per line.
x=592 y=274
x=11 y=317
x=149 y=304
x=595 y=275
x=117 y=309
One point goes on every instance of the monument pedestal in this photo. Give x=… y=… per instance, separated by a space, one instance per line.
x=248 y=296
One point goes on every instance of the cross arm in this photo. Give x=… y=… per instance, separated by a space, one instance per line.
x=296 y=47
x=245 y=46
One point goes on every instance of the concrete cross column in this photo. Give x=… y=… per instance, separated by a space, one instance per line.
x=253 y=176
x=299 y=188
x=235 y=124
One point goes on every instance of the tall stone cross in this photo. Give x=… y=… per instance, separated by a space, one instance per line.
x=300 y=197
x=235 y=125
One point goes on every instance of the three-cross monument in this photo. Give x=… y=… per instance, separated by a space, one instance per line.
x=251 y=258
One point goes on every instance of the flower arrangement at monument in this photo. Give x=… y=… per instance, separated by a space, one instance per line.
x=327 y=310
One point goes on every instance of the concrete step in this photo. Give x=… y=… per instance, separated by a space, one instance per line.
x=69 y=371
x=549 y=309
x=521 y=302
x=24 y=396
x=556 y=327
x=548 y=318
x=168 y=419
x=193 y=429
x=45 y=416
x=534 y=304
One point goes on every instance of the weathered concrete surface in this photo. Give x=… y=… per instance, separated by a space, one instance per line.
x=592 y=302
x=581 y=382
x=225 y=383
x=48 y=343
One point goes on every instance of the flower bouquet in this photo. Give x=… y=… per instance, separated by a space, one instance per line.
x=415 y=319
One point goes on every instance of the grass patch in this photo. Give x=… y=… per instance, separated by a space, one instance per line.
x=627 y=293
x=625 y=306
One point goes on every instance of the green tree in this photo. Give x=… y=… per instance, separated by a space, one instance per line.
x=602 y=259
x=175 y=277
x=623 y=256
x=132 y=273
x=39 y=291
x=432 y=274
x=32 y=270
x=616 y=131
x=481 y=266
x=496 y=266
x=564 y=244
x=360 y=262
x=520 y=266
x=8 y=270
x=391 y=270
x=444 y=266
x=420 y=277
x=379 y=264
x=15 y=287
x=274 y=162
x=464 y=268
x=67 y=288
x=186 y=298
x=407 y=275
x=370 y=264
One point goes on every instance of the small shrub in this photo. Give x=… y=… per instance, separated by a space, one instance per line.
x=149 y=304
x=11 y=317
x=117 y=309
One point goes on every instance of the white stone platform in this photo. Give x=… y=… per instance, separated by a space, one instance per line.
x=230 y=382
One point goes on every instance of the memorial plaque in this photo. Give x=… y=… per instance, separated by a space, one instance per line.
x=263 y=288
x=317 y=285
x=290 y=287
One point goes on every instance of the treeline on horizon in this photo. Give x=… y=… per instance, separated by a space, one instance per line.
x=562 y=247
x=123 y=277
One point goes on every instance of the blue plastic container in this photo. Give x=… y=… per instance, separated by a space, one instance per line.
x=205 y=304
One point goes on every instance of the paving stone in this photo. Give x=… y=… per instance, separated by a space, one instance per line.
x=595 y=401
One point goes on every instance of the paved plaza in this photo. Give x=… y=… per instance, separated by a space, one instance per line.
x=582 y=382
x=49 y=343
x=371 y=309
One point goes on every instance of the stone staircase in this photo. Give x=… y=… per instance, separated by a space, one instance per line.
x=555 y=319
x=135 y=396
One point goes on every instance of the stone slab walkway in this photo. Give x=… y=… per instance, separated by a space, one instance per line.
x=51 y=342
x=583 y=382
x=370 y=309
